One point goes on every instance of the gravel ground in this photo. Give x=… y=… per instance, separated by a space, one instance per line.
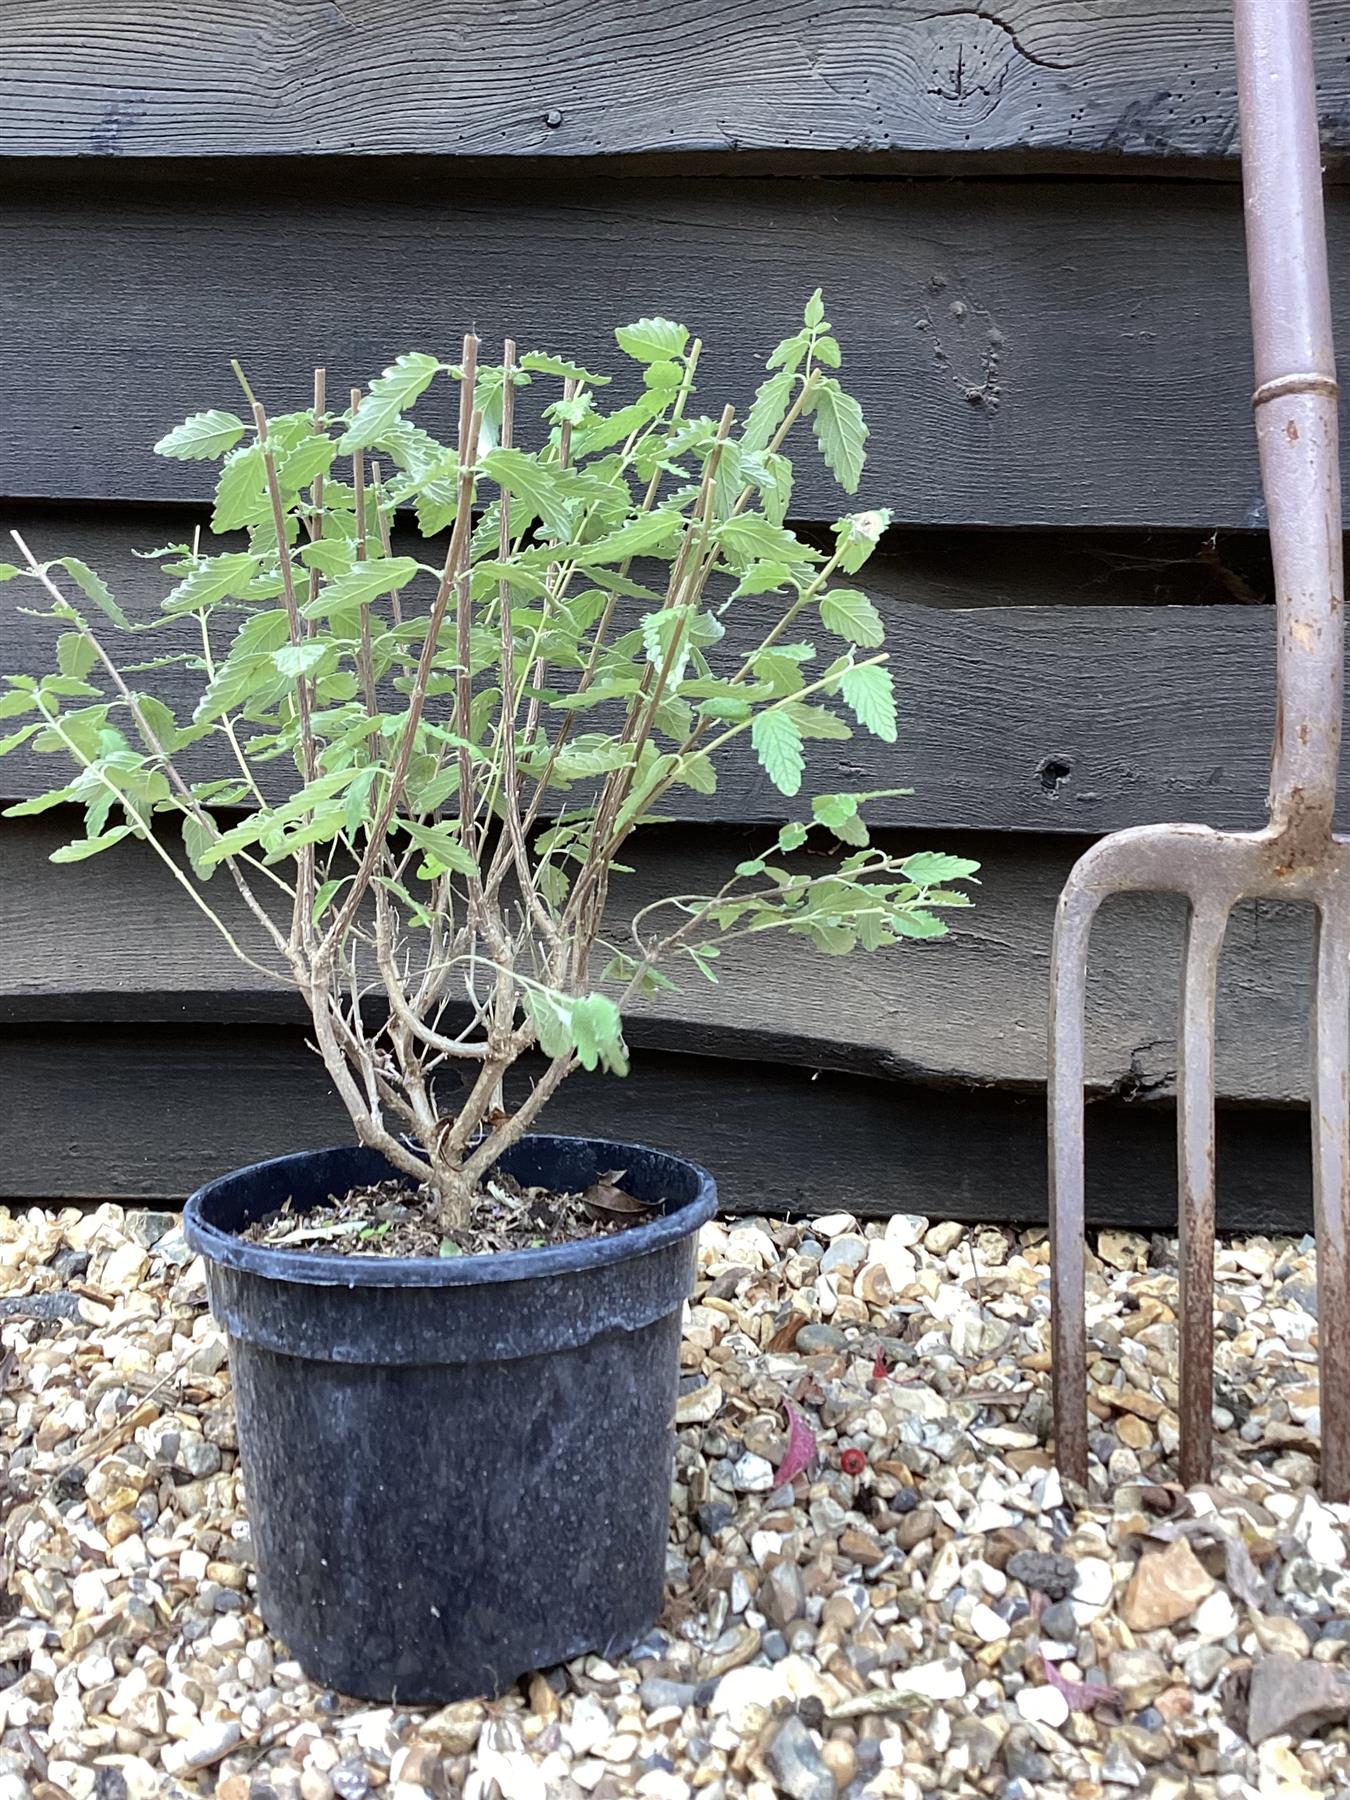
x=922 y=1610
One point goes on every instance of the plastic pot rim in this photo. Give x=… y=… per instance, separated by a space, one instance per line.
x=315 y=1269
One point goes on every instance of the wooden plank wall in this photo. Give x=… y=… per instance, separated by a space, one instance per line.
x=1028 y=225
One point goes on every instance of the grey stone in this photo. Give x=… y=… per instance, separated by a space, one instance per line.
x=656 y=1691
x=796 y=1764
x=1043 y=1570
x=1058 y=1622
x=782 y=1596
x=774 y=1646
x=1295 y=1694
x=812 y=1339
x=844 y=1253
x=147 y=1228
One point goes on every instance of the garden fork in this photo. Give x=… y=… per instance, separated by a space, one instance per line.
x=1296 y=856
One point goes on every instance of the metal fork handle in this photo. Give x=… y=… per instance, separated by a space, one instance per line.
x=1295 y=402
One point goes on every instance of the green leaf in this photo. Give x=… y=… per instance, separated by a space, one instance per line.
x=241 y=492
x=75 y=655
x=918 y=925
x=362 y=583
x=768 y=409
x=95 y=588
x=752 y=536
x=16 y=703
x=202 y=437
x=400 y=384
x=295 y=661
x=818 y=722
x=778 y=745
x=538 y=484
x=597 y=1031
x=826 y=351
x=324 y=896
x=197 y=840
x=833 y=810
x=651 y=340
x=214 y=578
x=635 y=538
x=86 y=847
x=792 y=837
x=814 y=313
x=753 y=865
x=858 y=535
x=762 y=578
x=791 y=353
x=330 y=556
x=9 y=570
x=870 y=693
x=840 y=432
x=310 y=459
x=40 y=803
x=929 y=867
x=850 y=614
x=441 y=846
x=538 y=362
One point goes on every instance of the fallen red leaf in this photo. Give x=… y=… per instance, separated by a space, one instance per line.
x=1082 y=1696
x=801 y=1446
x=880 y=1368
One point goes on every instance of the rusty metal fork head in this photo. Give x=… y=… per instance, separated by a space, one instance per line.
x=1296 y=856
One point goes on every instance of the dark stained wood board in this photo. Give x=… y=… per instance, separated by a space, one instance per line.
x=114 y=940
x=581 y=78
x=119 y=1113
x=1038 y=352
x=1054 y=718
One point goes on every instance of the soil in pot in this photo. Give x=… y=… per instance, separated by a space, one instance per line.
x=394 y=1218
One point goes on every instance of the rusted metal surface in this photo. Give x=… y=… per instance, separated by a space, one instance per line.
x=1296 y=856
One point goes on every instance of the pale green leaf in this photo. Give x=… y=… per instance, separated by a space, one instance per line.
x=850 y=614
x=651 y=340
x=241 y=492
x=858 y=535
x=202 y=437
x=197 y=840
x=214 y=578
x=840 y=432
x=768 y=409
x=540 y=363
x=95 y=588
x=90 y=846
x=929 y=867
x=389 y=393
x=870 y=694
x=75 y=655
x=363 y=583
x=778 y=745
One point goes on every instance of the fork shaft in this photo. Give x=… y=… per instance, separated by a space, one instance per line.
x=1331 y=1171
x=1068 y=1319
x=1195 y=1167
x=1295 y=403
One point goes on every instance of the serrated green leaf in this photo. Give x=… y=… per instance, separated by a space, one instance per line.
x=241 y=492
x=539 y=362
x=791 y=353
x=850 y=614
x=202 y=437
x=296 y=661
x=388 y=395
x=841 y=432
x=197 y=840
x=363 y=583
x=792 y=836
x=651 y=340
x=777 y=742
x=834 y=809
x=870 y=694
x=918 y=925
x=635 y=538
x=441 y=845
x=311 y=458
x=214 y=578
x=768 y=409
x=813 y=315
x=752 y=537
x=929 y=867
x=75 y=655
x=39 y=803
x=84 y=848
x=330 y=556
x=92 y=585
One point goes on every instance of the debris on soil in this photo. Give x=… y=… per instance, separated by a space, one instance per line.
x=921 y=1610
x=396 y=1218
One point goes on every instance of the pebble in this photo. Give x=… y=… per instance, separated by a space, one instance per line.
x=877 y=1632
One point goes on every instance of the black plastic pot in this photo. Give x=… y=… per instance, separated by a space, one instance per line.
x=457 y=1469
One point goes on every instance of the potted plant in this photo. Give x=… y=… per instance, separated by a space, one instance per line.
x=455 y=1346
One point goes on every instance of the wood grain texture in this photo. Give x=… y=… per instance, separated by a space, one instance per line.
x=578 y=78
x=116 y=1113
x=112 y=940
x=1028 y=353
x=1031 y=718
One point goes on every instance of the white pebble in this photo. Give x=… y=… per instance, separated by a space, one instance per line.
x=1043 y=1706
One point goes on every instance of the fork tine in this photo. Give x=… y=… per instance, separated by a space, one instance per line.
x=1068 y=1317
x=1205 y=928
x=1331 y=1164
